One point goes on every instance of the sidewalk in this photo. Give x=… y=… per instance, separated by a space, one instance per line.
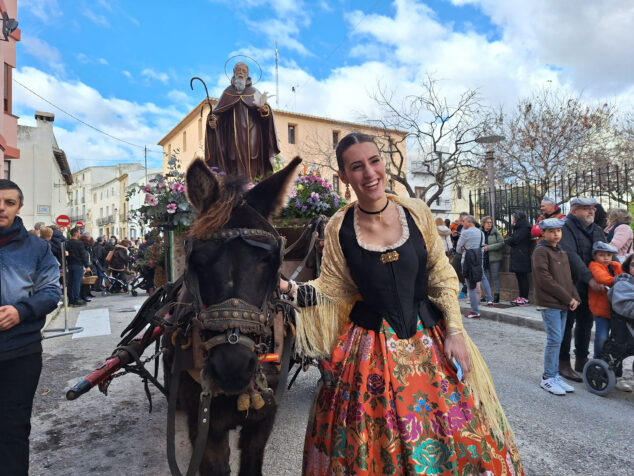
x=526 y=316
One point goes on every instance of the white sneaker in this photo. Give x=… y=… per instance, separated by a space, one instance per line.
x=563 y=384
x=622 y=385
x=551 y=385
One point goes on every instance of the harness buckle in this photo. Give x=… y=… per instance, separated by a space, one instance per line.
x=233 y=336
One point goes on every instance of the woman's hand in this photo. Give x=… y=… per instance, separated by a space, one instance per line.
x=285 y=286
x=456 y=348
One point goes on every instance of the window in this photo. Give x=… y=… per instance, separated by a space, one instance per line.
x=291 y=133
x=184 y=141
x=7 y=88
x=7 y=169
x=438 y=200
x=200 y=129
x=83 y=211
x=107 y=210
x=335 y=183
x=169 y=151
x=94 y=198
x=101 y=196
x=101 y=212
x=113 y=191
x=335 y=139
x=420 y=192
x=459 y=193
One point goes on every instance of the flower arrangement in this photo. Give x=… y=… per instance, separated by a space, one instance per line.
x=165 y=201
x=311 y=196
x=153 y=256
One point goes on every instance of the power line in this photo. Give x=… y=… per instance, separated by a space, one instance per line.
x=84 y=122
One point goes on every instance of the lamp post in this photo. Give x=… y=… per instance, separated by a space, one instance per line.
x=488 y=158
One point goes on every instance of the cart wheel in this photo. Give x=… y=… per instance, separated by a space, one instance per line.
x=598 y=377
x=133 y=292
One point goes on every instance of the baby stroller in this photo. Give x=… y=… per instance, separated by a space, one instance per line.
x=599 y=374
x=141 y=281
x=110 y=284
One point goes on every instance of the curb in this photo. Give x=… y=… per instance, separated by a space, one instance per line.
x=500 y=315
x=52 y=316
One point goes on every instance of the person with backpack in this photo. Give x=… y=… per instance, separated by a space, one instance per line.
x=472 y=242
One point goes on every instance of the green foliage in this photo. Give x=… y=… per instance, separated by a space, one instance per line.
x=165 y=201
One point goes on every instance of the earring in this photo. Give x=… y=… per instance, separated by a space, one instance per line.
x=347 y=195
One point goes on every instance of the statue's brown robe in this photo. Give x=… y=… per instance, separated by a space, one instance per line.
x=244 y=141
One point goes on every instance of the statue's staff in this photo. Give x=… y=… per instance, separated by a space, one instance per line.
x=191 y=85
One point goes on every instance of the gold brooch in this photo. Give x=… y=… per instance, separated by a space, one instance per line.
x=389 y=257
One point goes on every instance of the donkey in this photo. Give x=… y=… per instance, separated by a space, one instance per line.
x=231 y=278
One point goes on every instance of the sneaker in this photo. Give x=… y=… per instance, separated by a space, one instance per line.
x=462 y=295
x=524 y=302
x=622 y=385
x=490 y=303
x=516 y=301
x=551 y=385
x=472 y=315
x=563 y=384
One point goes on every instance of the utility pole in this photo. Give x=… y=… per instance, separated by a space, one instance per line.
x=277 y=78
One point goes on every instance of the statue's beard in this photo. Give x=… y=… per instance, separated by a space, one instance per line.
x=240 y=84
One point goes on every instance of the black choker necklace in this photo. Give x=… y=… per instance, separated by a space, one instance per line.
x=387 y=202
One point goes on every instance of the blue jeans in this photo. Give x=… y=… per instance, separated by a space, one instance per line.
x=473 y=293
x=493 y=273
x=554 y=325
x=73 y=283
x=601 y=333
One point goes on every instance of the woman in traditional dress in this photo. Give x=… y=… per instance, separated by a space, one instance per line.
x=384 y=315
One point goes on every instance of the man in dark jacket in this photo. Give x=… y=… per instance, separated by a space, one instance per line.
x=579 y=234
x=29 y=290
x=98 y=252
x=76 y=263
x=56 y=242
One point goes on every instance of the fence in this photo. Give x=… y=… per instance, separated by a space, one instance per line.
x=611 y=186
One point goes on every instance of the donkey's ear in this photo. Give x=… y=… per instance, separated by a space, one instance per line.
x=203 y=188
x=270 y=194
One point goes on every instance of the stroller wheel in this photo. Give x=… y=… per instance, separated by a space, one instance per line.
x=133 y=292
x=598 y=377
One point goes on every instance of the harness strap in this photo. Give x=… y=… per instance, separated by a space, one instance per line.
x=286 y=360
x=204 y=413
x=305 y=260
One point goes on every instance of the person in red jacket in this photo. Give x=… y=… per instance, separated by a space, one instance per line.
x=603 y=270
x=549 y=210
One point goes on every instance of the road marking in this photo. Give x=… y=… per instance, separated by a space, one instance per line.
x=96 y=322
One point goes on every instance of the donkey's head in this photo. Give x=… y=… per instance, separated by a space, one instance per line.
x=233 y=263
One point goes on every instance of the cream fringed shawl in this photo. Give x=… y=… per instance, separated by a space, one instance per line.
x=336 y=293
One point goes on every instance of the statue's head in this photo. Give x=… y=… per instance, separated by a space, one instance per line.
x=240 y=78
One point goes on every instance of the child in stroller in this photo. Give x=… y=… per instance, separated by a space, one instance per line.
x=604 y=372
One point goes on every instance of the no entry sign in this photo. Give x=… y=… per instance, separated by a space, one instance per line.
x=63 y=220
x=79 y=224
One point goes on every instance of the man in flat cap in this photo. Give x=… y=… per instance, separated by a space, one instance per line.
x=579 y=234
x=549 y=209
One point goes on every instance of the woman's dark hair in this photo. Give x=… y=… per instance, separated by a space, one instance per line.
x=600 y=216
x=627 y=263
x=349 y=140
x=447 y=222
x=519 y=216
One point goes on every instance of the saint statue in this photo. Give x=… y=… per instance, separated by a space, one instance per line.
x=240 y=136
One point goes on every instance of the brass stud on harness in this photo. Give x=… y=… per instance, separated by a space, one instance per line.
x=214 y=314
x=253 y=315
x=262 y=318
x=235 y=314
x=245 y=315
x=234 y=302
x=225 y=313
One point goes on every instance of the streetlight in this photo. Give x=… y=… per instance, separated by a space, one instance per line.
x=488 y=158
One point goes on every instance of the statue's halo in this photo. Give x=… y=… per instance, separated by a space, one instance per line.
x=248 y=58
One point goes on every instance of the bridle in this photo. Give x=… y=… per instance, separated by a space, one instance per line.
x=234 y=320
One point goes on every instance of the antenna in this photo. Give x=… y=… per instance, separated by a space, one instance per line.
x=277 y=78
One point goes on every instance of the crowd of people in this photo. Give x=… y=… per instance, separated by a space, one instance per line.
x=86 y=257
x=575 y=260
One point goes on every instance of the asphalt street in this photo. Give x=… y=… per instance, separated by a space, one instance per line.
x=115 y=435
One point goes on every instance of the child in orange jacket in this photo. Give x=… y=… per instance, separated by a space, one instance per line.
x=603 y=270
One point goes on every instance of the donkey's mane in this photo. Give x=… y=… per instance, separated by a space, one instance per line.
x=209 y=221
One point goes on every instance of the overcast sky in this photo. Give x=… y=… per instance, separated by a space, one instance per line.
x=124 y=67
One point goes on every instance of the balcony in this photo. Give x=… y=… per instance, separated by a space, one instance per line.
x=77 y=218
x=105 y=220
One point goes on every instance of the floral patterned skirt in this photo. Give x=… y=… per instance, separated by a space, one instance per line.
x=398 y=408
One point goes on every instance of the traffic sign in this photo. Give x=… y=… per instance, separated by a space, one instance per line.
x=63 y=220
x=79 y=224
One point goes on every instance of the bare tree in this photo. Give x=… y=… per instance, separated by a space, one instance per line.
x=440 y=136
x=547 y=134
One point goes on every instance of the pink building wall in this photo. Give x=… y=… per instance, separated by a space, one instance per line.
x=8 y=121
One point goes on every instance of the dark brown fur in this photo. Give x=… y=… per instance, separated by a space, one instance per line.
x=241 y=271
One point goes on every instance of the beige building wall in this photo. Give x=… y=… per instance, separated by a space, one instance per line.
x=311 y=137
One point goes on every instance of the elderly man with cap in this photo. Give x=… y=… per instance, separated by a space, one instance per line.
x=549 y=210
x=579 y=234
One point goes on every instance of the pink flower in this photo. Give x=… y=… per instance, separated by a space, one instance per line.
x=147 y=189
x=178 y=187
x=171 y=208
x=151 y=200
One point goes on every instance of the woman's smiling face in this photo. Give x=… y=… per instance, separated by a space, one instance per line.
x=364 y=170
